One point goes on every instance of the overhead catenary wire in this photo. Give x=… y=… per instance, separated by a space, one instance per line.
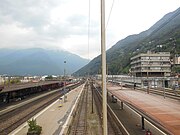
x=166 y=22
x=112 y=5
x=89 y=19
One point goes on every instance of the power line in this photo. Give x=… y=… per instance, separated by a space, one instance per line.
x=166 y=22
x=89 y=16
x=110 y=13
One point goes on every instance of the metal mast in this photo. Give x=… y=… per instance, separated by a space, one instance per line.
x=103 y=59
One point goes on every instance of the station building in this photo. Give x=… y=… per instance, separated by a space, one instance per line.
x=151 y=64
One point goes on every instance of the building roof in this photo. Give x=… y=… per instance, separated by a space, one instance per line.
x=26 y=85
x=152 y=54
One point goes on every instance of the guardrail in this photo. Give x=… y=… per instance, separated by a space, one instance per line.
x=165 y=92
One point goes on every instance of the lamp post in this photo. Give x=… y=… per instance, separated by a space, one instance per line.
x=92 y=88
x=64 y=82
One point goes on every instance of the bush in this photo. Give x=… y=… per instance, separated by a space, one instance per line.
x=34 y=129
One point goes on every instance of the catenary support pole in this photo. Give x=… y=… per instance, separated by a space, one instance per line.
x=142 y=120
x=103 y=59
x=92 y=88
x=121 y=105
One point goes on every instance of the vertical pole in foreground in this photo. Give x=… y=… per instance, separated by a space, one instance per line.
x=92 y=88
x=103 y=59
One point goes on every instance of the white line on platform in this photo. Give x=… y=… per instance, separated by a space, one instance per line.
x=25 y=124
x=146 y=120
x=156 y=127
x=36 y=116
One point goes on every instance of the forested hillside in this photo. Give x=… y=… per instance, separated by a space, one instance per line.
x=162 y=36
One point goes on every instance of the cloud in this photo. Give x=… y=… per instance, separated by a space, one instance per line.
x=63 y=24
x=13 y=36
x=29 y=13
x=42 y=23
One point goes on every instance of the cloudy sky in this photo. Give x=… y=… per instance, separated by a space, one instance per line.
x=63 y=24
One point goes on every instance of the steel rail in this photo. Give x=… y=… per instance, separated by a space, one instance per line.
x=117 y=126
x=14 y=118
x=79 y=125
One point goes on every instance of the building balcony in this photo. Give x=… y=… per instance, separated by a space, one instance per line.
x=155 y=65
x=149 y=60
x=152 y=70
x=149 y=66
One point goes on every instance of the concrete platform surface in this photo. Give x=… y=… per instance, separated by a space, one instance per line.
x=53 y=118
x=165 y=111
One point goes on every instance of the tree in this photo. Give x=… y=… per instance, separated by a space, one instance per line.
x=34 y=129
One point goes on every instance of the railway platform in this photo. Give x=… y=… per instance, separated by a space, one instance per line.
x=53 y=118
x=164 y=112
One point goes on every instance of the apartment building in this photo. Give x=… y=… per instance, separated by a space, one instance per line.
x=151 y=64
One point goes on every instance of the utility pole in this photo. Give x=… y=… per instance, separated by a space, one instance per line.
x=103 y=59
x=65 y=82
x=147 y=82
x=92 y=88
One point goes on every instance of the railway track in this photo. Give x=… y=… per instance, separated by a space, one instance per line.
x=114 y=127
x=79 y=125
x=14 y=118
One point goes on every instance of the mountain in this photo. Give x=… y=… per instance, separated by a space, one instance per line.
x=162 y=36
x=37 y=61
